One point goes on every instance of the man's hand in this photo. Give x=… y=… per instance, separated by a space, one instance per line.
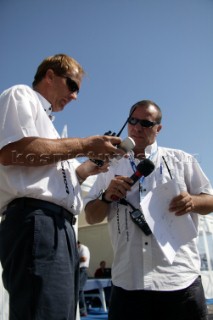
x=101 y=147
x=88 y=168
x=182 y=204
x=96 y=211
x=118 y=187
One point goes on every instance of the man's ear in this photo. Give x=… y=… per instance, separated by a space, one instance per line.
x=159 y=128
x=49 y=75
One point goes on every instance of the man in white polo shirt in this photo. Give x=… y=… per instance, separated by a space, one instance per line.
x=40 y=192
x=84 y=259
x=146 y=285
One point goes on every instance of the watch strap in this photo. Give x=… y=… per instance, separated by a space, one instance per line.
x=102 y=197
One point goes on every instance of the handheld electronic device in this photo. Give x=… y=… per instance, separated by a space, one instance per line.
x=138 y=217
x=127 y=144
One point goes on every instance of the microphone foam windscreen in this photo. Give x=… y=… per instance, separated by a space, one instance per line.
x=145 y=167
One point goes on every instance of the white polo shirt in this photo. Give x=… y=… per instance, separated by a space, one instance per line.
x=22 y=114
x=138 y=260
x=83 y=251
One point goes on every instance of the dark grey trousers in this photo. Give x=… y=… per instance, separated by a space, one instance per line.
x=40 y=264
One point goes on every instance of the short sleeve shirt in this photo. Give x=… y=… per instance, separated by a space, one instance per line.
x=139 y=262
x=22 y=114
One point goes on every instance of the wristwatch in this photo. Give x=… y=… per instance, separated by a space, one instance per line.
x=101 y=196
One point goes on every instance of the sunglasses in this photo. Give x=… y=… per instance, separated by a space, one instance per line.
x=143 y=123
x=71 y=84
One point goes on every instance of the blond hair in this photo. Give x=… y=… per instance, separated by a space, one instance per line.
x=61 y=64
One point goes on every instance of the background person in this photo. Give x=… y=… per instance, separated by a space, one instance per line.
x=40 y=192
x=102 y=271
x=145 y=285
x=84 y=258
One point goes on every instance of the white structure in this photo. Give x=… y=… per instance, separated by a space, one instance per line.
x=206 y=253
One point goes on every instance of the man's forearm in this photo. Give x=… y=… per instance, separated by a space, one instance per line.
x=34 y=151
x=203 y=203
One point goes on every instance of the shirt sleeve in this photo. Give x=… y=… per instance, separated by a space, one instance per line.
x=195 y=178
x=101 y=183
x=18 y=108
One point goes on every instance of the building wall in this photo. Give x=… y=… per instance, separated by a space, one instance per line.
x=96 y=237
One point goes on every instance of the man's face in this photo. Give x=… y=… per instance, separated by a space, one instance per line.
x=61 y=92
x=144 y=136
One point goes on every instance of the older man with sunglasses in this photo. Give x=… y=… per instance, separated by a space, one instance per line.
x=146 y=284
x=40 y=192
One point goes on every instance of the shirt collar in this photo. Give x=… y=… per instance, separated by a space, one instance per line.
x=151 y=150
x=45 y=104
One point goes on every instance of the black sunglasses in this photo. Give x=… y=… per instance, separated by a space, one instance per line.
x=71 y=84
x=143 y=123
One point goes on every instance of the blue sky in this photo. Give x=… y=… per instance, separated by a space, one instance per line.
x=131 y=50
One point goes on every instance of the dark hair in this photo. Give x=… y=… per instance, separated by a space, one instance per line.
x=61 y=64
x=146 y=104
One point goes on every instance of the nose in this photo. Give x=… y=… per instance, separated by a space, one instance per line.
x=73 y=96
x=138 y=127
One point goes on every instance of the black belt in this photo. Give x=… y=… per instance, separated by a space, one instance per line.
x=41 y=204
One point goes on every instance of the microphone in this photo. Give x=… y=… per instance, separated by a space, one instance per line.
x=127 y=144
x=144 y=168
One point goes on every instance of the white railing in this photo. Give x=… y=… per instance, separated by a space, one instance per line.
x=205 y=244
